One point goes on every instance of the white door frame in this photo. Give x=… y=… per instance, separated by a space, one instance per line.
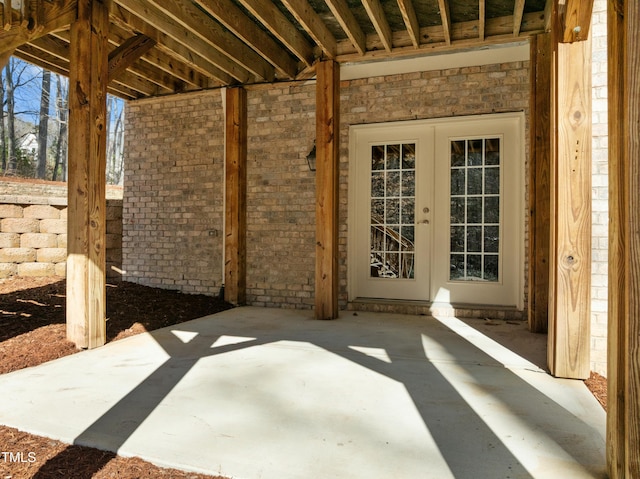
x=441 y=289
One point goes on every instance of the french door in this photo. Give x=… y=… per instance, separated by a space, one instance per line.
x=436 y=210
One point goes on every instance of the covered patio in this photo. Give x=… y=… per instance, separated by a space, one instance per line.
x=138 y=49
x=270 y=393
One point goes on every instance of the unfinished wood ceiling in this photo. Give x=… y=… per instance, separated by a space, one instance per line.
x=183 y=45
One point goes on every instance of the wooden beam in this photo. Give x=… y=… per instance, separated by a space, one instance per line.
x=327 y=187
x=349 y=24
x=281 y=28
x=518 y=12
x=193 y=19
x=235 y=196
x=380 y=23
x=313 y=25
x=577 y=20
x=482 y=13
x=192 y=45
x=570 y=248
x=49 y=16
x=189 y=50
x=623 y=374
x=128 y=53
x=539 y=183
x=226 y=12
x=445 y=17
x=86 y=223
x=410 y=21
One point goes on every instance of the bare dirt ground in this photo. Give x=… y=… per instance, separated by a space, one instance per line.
x=32 y=331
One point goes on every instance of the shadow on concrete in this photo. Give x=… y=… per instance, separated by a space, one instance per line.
x=466 y=440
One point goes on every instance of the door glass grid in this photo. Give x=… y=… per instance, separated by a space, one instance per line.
x=475 y=210
x=392 y=227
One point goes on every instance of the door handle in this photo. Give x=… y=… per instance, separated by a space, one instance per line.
x=423 y=222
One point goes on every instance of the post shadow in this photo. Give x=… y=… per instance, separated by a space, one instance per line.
x=465 y=441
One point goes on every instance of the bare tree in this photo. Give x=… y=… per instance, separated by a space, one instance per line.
x=43 y=124
x=62 y=108
x=115 y=138
x=11 y=129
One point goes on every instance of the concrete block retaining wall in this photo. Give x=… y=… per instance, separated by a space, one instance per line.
x=33 y=233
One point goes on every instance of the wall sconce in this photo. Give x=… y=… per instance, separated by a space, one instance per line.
x=311 y=158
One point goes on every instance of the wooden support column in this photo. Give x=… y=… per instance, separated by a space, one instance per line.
x=623 y=375
x=570 y=247
x=539 y=186
x=327 y=142
x=86 y=270
x=235 y=196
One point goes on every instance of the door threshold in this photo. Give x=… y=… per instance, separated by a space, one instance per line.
x=428 y=308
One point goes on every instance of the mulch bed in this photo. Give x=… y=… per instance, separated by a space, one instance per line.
x=32 y=331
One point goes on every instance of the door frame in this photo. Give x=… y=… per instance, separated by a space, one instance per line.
x=517 y=176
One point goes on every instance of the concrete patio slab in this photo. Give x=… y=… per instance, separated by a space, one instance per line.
x=256 y=393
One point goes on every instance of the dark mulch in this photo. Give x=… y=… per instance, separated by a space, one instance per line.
x=32 y=331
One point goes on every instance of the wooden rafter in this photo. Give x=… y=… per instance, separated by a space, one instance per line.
x=157 y=60
x=127 y=53
x=410 y=21
x=518 y=12
x=188 y=16
x=193 y=43
x=445 y=16
x=380 y=23
x=349 y=24
x=209 y=43
x=202 y=62
x=313 y=24
x=237 y=22
x=281 y=28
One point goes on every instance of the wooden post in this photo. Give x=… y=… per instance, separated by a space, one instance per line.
x=570 y=247
x=623 y=414
x=539 y=186
x=235 y=196
x=86 y=270
x=327 y=141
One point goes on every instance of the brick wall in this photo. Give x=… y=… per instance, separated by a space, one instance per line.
x=173 y=201
x=173 y=191
x=600 y=191
x=33 y=236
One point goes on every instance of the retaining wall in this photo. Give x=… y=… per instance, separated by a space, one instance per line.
x=33 y=232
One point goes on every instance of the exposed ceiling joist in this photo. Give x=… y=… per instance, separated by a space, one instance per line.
x=379 y=21
x=246 y=30
x=410 y=21
x=281 y=28
x=313 y=24
x=445 y=15
x=209 y=43
x=349 y=24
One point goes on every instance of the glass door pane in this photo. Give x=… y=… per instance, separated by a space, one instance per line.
x=475 y=210
x=392 y=211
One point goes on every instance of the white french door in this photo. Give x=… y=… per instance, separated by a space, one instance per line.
x=393 y=210
x=436 y=210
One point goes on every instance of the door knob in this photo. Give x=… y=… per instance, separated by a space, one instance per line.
x=425 y=209
x=423 y=222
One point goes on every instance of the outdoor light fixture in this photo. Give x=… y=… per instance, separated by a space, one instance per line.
x=311 y=158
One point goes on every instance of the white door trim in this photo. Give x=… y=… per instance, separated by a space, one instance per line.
x=516 y=173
